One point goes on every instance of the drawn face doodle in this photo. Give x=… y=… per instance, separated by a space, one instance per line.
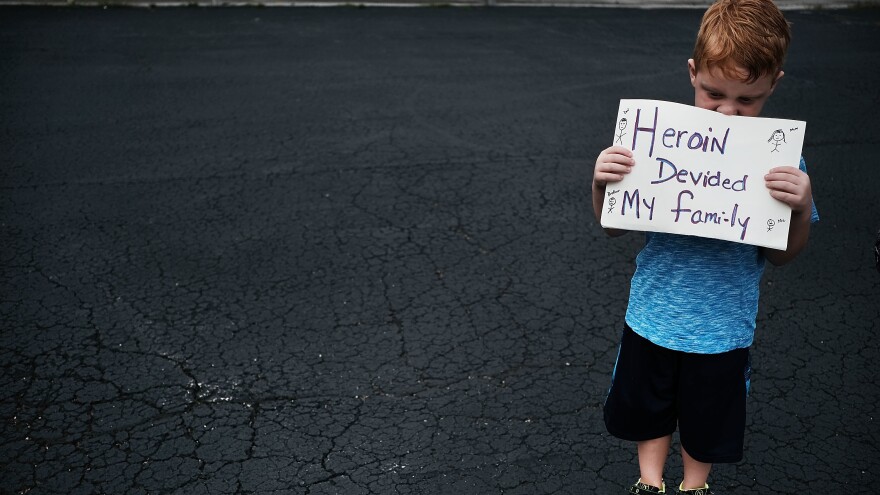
x=778 y=136
x=622 y=124
x=770 y=225
x=613 y=202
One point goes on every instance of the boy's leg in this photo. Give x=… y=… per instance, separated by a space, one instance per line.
x=652 y=459
x=696 y=473
x=641 y=404
x=712 y=406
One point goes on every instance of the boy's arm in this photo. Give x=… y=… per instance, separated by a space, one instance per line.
x=611 y=165
x=791 y=186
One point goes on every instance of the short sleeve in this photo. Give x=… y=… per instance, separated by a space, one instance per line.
x=814 y=216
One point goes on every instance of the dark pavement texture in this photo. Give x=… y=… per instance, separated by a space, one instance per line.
x=351 y=251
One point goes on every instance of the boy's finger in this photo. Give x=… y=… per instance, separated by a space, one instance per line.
x=784 y=170
x=620 y=150
x=782 y=177
x=608 y=178
x=785 y=197
x=621 y=159
x=618 y=168
x=782 y=185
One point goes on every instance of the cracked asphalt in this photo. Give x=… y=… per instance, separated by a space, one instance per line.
x=338 y=250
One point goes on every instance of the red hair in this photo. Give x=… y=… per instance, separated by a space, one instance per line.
x=745 y=39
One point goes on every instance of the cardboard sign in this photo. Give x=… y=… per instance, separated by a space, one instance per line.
x=701 y=173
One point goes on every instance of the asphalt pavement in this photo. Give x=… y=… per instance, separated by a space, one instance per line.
x=341 y=250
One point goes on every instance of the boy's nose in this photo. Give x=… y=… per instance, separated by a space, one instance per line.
x=728 y=109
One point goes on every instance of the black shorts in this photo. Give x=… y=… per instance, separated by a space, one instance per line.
x=654 y=389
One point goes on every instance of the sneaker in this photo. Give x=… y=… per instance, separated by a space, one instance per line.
x=642 y=489
x=696 y=491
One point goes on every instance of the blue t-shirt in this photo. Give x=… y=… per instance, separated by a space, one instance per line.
x=695 y=294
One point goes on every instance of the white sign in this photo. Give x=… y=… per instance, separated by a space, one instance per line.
x=701 y=173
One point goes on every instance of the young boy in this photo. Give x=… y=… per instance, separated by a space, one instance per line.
x=683 y=363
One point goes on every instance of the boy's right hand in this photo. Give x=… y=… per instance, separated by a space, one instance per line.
x=612 y=164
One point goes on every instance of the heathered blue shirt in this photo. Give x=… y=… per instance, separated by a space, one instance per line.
x=695 y=294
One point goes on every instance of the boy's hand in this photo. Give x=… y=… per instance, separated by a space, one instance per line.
x=612 y=164
x=791 y=186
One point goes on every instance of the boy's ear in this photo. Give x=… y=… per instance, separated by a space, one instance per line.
x=776 y=80
x=692 y=70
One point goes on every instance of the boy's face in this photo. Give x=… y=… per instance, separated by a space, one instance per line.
x=713 y=90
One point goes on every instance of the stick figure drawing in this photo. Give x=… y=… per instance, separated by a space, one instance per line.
x=621 y=125
x=777 y=138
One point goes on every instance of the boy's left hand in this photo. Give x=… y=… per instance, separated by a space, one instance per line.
x=791 y=186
